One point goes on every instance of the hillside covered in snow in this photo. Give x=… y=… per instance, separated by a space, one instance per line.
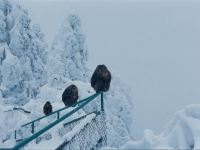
x=33 y=73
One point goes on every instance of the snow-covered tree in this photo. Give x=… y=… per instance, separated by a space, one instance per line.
x=25 y=44
x=6 y=21
x=11 y=76
x=68 y=56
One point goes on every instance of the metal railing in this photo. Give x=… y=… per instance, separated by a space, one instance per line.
x=80 y=104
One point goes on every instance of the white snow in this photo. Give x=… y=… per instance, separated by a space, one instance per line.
x=182 y=132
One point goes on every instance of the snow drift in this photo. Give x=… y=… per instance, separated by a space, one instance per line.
x=182 y=132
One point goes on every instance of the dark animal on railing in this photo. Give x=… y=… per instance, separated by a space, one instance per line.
x=47 y=109
x=70 y=95
x=101 y=79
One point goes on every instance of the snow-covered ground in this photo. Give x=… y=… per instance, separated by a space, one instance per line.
x=118 y=125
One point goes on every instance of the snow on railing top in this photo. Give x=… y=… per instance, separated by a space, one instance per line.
x=57 y=111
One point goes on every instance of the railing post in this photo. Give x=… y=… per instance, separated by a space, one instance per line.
x=102 y=105
x=58 y=115
x=15 y=134
x=32 y=126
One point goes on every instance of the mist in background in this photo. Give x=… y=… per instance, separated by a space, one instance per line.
x=154 y=46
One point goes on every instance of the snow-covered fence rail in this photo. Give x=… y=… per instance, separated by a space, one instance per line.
x=81 y=103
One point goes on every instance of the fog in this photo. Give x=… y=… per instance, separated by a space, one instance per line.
x=154 y=46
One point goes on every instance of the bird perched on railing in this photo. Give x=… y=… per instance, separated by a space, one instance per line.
x=47 y=108
x=101 y=79
x=70 y=95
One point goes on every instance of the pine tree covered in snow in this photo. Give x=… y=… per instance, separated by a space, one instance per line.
x=6 y=21
x=68 y=56
x=24 y=51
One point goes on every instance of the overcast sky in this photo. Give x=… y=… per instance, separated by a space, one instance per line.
x=155 y=46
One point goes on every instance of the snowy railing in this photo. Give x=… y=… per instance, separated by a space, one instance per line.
x=80 y=104
x=92 y=136
x=55 y=112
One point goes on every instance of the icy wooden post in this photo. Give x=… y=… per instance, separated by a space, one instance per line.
x=102 y=105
